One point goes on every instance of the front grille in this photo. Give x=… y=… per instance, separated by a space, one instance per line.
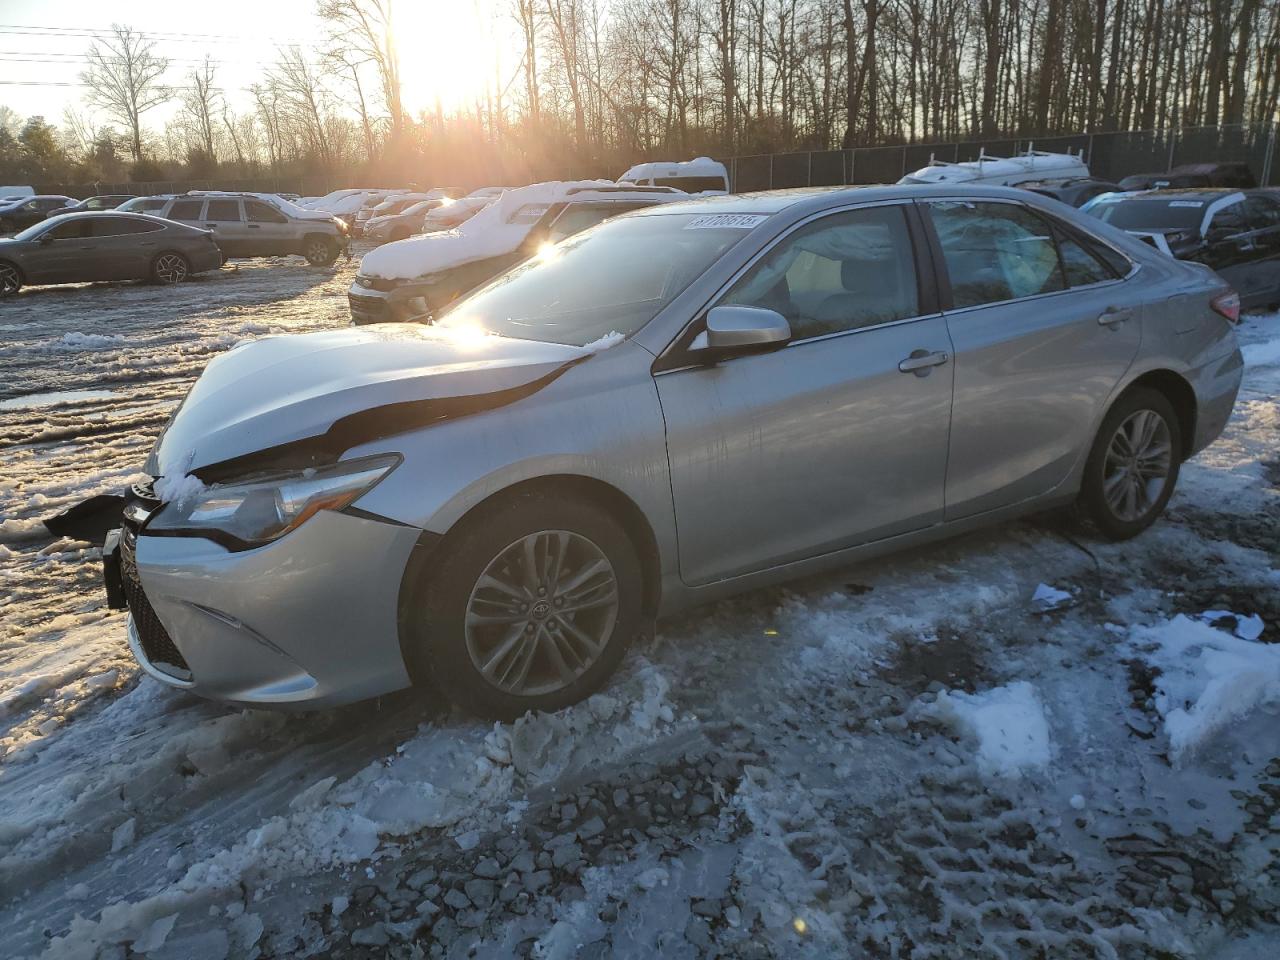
x=155 y=639
x=368 y=309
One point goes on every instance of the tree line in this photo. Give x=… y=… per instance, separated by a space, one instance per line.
x=600 y=84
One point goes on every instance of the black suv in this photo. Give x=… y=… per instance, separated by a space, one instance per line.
x=1236 y=232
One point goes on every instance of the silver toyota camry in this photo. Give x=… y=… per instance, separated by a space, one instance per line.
x=676 y=405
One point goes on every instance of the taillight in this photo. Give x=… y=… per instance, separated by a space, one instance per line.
x=1227 y=305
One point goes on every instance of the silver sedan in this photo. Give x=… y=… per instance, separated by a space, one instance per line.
x=679 y=404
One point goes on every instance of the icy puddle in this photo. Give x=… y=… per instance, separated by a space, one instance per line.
x=54 y=398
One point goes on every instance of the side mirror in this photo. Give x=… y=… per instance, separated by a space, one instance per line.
x=732 y=331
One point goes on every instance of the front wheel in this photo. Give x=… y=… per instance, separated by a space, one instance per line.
x=10 y=280
x=170 y=268
x=320 y=251
x=1133 y=465
x=531 y=607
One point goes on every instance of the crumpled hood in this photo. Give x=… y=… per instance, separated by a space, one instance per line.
x=368 y=380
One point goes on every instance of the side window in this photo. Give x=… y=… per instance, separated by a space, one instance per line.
x=186 y=210
x=1263 y=213
x=845 y=271
x=995 y=251
x=256 y=211
x=120 y=226
x=1228 y=220
x=223 y=211
x=73 y=229
x=1081 y=266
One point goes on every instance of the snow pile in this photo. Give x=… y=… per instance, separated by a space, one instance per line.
x=1265 y=354
x=1049 y=598
x=85 y=341
x=498 y=229
x=1208 y=679
x=1246 y=628
x=16 y=530
x=1008 y=723
x=457 y=779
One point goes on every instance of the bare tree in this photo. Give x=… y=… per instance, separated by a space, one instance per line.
x=123 y=78
x=200 y=105
x=364 y=29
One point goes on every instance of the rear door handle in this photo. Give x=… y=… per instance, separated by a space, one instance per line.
x=921 y=360
x=1114 y=316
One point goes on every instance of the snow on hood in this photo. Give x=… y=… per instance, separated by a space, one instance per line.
x=277 y=390
x=490 y=233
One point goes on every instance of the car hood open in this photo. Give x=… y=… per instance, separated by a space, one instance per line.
x=300 y=400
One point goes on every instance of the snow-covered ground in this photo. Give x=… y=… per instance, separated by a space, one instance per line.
x=1021 y=743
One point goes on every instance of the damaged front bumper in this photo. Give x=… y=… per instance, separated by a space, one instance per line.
x=309 y=620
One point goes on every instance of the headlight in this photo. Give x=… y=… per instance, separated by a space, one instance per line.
x=265 y=508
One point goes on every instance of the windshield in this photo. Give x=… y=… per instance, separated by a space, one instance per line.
x=1150 y=213
x=613 y=278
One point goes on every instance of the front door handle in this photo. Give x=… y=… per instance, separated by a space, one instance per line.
x=254 y=226
x=921 y=361
x=1114 y=316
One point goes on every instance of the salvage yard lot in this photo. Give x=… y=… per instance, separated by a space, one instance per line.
x=909 y=758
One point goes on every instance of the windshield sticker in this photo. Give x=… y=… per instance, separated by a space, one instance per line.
x=1186 y=203
x=719 y=221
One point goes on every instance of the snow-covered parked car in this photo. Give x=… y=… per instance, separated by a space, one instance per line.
x=412 y=279
x=406 y=222
x=389 y=206
x=1003 y=171
x=700 y=175
x=690 y=401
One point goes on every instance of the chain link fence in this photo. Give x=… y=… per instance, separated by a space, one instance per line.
x=1109 y=156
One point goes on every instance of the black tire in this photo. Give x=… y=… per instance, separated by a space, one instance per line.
x=10 y=279
x=170 y=267
x=437 y=646
x=320 y=251
x=1141 y=501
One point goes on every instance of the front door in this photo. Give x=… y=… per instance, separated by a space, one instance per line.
x=836 y=439
x=62 y=254
x=268 y=232
x=1044 y=327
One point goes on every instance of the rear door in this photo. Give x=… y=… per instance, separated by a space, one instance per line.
x=1043 y=330
x=1262 y=216
x=124 y=247
x=836 y=439
x=223 y=216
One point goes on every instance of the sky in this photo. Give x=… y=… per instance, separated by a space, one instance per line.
x=453 y=51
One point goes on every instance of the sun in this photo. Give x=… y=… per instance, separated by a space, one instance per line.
x=449 y=53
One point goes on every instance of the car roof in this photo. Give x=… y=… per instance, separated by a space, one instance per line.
x=101 y=214
x=801 y=200
x=1186 y=193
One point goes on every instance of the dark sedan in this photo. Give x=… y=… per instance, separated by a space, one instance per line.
x=107 y=201
x=29 y=210
x=1236 y=232
x=79 y=247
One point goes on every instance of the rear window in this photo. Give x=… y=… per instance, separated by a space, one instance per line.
x=119 y=226
x=1150 y=213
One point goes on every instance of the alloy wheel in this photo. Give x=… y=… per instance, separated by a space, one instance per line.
x=542 y=613
x=10 y=282
x=317 y=252
x=171 y=268
x=1137 y=464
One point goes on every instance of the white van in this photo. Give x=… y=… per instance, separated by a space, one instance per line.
x=1003 y=171
x=701 y=175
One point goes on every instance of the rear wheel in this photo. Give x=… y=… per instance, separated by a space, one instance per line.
x=532 y=607
x=10 y=279
x=320 y=251
x=1133 y=466
x=170 y=267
